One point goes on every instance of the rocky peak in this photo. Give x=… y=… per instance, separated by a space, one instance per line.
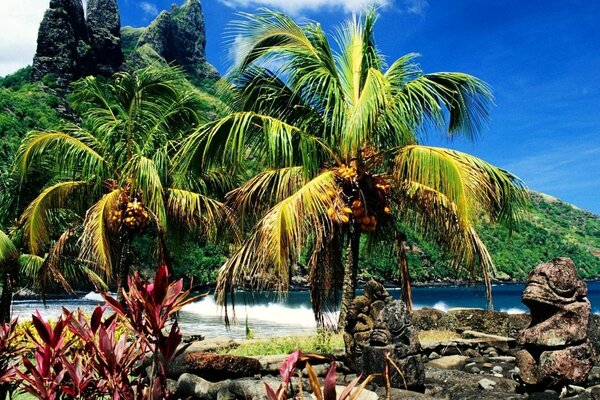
x=179 y=36
x=104 y=26
x=70 y=47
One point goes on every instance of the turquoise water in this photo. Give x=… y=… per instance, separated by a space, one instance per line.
x=270 y=316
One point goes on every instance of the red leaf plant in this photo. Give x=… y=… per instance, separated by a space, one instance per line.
x=146 y=309
x=10 y=351
x=328 y=392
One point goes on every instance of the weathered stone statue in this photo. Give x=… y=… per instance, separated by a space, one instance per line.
x=378 y=328
x=556 y=349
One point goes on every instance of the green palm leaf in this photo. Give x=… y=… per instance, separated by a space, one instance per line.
x=95 y=240
x=34 y=220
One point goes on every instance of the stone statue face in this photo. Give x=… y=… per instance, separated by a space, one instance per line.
x=554 y=283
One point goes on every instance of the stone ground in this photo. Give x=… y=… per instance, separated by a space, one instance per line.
x=462 y=369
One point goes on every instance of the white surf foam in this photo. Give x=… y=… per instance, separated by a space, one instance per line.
x=272 y=312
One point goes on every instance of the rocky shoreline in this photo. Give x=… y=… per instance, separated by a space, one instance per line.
x=479 y=363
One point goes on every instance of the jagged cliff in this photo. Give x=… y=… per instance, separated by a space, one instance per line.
x=177 y=36
x=72 y=44
x=69 y=46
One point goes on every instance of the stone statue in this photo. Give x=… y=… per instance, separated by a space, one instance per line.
x=378 y=328
x=556 y=349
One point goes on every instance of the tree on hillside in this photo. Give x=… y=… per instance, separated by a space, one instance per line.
x=338 y=133
x=112 y=175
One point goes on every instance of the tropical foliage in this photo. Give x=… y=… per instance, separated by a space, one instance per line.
x=81 y=358
x=337 y=132
x=111 y=175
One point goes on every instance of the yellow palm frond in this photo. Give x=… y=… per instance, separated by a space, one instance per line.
x=34 y=219
x=469 y=183
x=266 y=189
x=76 y=148
x=433 y=214
x=197 y=211
x=277 y=239
x=146 y=179
x=95 y=239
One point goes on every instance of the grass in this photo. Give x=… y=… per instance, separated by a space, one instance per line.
x=437 y=336
x=322 y=342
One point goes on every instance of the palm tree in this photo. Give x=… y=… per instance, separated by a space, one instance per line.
x=338 y=134
x=112 y=174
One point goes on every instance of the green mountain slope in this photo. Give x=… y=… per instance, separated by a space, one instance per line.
x=551 y=228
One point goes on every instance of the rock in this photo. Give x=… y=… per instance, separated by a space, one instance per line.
x=249 y=388
x=269 y=365
x=545 y=395
x=474 y=370
x=434 y=356
x=217 y=366
x=574 y=389
x=556 y=349
x=401 y=394
x=593 y=378
x=594 y=391
x=448 y=362
x=62 y=44
x=486 y=384
x=104 y=28
x=179 y=36
x=497 y=369
x=70 y=47
x=189 y=385
x=459 y=385
x=487 y=365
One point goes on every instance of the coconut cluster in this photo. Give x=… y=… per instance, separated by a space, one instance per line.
x=130 y=213
x=365 y=199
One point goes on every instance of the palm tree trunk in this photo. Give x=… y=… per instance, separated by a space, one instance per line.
x=7 y=294
x=350 y=276
x=404 y=273
x=122 y=265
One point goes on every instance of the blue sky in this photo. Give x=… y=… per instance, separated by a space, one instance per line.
x=542 y=59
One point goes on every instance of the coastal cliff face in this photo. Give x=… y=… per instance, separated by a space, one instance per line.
x=72 y=44
x=69 y=46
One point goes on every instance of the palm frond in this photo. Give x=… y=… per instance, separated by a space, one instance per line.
x=265 y=258
x=95 y=241
x=266 y=189
x=145 y=177
x=34 y=220
x=433 y=215
x=8 y=250
x=229 y=140
x=75 y=150
x=471 y=184
x=197 y=211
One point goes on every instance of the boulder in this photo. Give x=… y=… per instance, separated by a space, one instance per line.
x=556 y=348
x=448 y=362
x=189 y=385
x=218 y=366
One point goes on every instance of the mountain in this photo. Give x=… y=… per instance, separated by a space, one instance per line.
x=72 y=43
x=550 y=228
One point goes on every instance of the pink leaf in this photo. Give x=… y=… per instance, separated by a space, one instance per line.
x=329 y=383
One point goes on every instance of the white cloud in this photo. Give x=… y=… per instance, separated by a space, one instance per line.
x=415 y=6
x=150 y=10
x=295 y=7
x=20 y=21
